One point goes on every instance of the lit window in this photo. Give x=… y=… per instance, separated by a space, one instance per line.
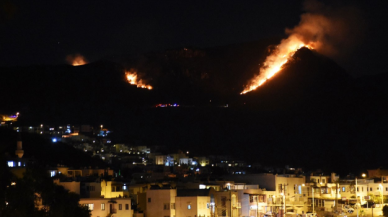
x=52 y=173
x=189 y=206
x=343 y=189
x=90 y=206
x=10 y=164
x=103 y=206
x=19 y=164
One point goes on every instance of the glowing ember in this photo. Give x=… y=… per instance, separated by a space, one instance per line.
x=133 y=78
x=274 y=62
x=76 y=60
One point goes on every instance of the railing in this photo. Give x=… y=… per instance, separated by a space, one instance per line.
x=113 y=211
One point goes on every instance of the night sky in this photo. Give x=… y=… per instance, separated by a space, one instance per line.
x=45 y=32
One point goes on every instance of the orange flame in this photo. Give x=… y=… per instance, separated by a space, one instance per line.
x=76 y=60
x=133 y=79
x=274 y=62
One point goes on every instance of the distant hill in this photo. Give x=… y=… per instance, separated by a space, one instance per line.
x=311 y=114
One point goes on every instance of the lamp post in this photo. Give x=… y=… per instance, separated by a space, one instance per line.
x=284 y=203
x=312 y=192
x=381 y=192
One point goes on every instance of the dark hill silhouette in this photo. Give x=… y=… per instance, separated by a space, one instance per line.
x=311 y=114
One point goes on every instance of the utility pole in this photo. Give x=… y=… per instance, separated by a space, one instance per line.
x=356 y=195
x=312 y=190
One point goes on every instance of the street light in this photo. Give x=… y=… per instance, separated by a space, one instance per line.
x=381 y=191
x=284 y=203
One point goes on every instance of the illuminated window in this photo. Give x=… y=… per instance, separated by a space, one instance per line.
x=90 y=206
x=10 y=164
x=189 y=206
x=343 y=189
x=103 y=206
x=19 y=164
x=172 y=205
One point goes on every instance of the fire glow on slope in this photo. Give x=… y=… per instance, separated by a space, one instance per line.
x=76 y=60
x=274 y=62
x=133 y=79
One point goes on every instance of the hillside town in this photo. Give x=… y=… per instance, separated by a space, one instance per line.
x=142 y=181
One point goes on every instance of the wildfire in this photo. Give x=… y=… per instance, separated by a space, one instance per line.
x=133 y=79
x=76 y=60
x=274 y=62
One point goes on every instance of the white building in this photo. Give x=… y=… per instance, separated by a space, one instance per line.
x=160 y=202
x=114 y=207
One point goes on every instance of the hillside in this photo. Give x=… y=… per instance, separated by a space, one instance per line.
x=311 y=114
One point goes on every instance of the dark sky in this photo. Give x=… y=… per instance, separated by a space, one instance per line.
x=45 y=32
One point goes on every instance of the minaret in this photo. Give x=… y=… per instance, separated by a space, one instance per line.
x=19 y=149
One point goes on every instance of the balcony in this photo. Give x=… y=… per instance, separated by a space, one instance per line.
x=113 y=211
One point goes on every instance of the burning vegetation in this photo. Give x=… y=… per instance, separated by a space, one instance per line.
x=76 y=60
x=275 y=61
x=328 y=31
x=133 y=78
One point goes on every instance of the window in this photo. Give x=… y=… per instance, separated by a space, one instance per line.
x=253 y=199
x=90 y=188
x=120 y=206
x=370 y=189
x=103 y=206
x=362 y=189
x=149 y=200
x=10 y=164
x=126 y=206
x=89 y=205
x=172 y=205
x=208 y=205
x=223 y=201
x=323 y=180
x=358 y=190
x=189 y=206
x=166 y=206
x=386 y=189
x=343 y=189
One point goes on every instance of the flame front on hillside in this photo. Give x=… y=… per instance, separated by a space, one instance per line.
x=76 y=60
x=133 y=78
x=275 y=61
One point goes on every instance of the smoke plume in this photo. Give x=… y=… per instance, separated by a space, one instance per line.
x=332 y=31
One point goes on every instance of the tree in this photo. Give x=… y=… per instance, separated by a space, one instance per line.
x=36 y=184
x=385 y=211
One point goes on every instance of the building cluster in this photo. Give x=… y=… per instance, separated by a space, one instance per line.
x=232 y=194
